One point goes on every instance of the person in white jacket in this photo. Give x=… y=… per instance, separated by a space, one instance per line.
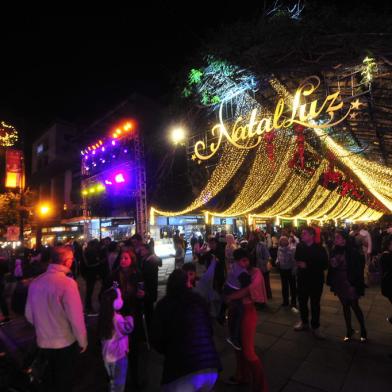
x=55 y=309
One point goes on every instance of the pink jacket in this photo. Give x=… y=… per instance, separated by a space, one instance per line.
x=117 y=347
x=256 y=288
x=55 y=309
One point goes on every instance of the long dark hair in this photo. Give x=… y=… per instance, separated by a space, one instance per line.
x=106 y=313
x=386 y=242
x=177 y=284
x=351 y=248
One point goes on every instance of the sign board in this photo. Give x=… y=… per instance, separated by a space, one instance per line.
x=247 y=131
x=13 y=233
x=14 y=169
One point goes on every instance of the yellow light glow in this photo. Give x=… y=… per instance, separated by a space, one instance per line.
x=300 y=197
x=206 y=218
x=247 y=131
x=44 y=210
x=152 y=216
x=11 y=180
x=178 y=135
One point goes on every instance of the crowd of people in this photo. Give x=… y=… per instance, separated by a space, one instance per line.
x=233 y=284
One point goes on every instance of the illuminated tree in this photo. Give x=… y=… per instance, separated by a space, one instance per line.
x=8 y=135
x=13 y=206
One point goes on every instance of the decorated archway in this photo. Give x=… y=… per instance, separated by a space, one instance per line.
x=303 y=159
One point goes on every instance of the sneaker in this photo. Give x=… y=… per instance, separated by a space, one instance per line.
x=300 y=326
x=318 y=334
x=235 y=345
x=349 y=335
x=294 y=309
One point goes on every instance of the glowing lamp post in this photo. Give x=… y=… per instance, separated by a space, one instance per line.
x=44 y=210
x=178 y=135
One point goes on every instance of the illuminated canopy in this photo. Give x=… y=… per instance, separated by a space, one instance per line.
x=284 y=180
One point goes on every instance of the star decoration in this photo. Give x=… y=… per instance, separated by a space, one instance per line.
x=355 y=105
x=353 y=115
x=199 y=162
x=193 y=157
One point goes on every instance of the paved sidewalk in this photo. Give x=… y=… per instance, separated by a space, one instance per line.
x=294 y=361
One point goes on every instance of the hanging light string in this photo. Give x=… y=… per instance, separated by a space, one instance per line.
x=264 y=181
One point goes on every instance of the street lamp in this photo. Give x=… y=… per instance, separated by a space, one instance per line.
x=178 y=135
x=44 y=210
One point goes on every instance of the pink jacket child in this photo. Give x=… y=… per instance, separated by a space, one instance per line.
x=114 y=330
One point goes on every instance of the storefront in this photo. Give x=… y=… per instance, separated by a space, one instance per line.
x=116 y=228
x=236 y=226
x=53 y=235
x=166 y=227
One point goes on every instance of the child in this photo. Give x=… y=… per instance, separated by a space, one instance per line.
x=113 y=331
x=237 y=279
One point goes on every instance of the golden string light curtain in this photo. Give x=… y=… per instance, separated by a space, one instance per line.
x=296 y=195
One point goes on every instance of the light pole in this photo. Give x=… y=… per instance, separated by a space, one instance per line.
x=178 y=135
x=44 y=210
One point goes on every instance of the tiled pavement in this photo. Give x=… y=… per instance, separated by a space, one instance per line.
x=293 y=361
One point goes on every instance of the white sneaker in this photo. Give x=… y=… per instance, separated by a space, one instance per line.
x=300 y=326
x=318 y=334
x=294 y=309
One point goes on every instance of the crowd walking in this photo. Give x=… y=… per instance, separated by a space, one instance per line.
x=233 y=285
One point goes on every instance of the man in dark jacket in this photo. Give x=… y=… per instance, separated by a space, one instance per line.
x=148 y=266
x=312 y=261
x=183 y=333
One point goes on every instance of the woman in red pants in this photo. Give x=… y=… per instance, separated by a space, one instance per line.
x=249 y=366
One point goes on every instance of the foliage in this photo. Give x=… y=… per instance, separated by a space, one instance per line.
x=11 y=208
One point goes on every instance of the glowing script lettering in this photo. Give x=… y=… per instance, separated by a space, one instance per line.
x=248 y=134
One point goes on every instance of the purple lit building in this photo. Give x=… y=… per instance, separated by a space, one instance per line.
x=114 y=183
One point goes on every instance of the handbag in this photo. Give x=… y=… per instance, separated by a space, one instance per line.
x=38 y=368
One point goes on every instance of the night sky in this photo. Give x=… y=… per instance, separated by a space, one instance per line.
x=76 y=68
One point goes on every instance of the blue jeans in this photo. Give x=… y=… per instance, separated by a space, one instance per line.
x=201 y=381
x=117 y=372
